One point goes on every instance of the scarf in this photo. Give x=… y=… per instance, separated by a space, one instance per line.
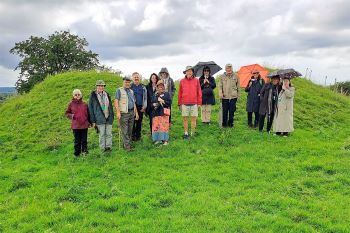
x=104 y=103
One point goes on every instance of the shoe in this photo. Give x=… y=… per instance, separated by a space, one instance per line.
x=186 y=136
x=107 y=149
x=157 y=142
x=165 y=143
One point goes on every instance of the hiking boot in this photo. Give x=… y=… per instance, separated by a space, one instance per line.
x=186 y=137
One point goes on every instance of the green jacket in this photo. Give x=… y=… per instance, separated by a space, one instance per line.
x=95 y=111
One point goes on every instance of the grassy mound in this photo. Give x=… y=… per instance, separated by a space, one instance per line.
x=224 y=180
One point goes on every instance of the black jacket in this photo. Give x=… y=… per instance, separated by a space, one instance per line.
x=157 y=109
x=208 y=97
x=268 y=98
x=253 y=98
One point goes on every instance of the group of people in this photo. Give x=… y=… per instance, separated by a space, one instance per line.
x=134 y=100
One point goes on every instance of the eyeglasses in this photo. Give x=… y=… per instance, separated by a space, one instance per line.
x=256 y=73
x=77 y=95
x=206 y=70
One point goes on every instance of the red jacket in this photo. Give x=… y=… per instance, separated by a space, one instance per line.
x=190 y=91
x=78 y=112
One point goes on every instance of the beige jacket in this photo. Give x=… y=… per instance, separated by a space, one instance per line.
x=229 y=86
x=283 y=121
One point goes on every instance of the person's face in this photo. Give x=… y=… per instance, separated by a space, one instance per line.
x=127 y=84
x=163 y=75
x=275 y=81
x=228 y=69
x=256 y=74
x=154 y=79
x=206 y=72
x=189 y=73
x=286 y=82
x=100 y=88
x=77 y=96
x=136 y=79
x=160 y=88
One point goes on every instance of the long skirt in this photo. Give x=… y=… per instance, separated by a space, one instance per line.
x=160 y=128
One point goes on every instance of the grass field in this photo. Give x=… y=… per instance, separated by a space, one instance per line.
x=223 y=180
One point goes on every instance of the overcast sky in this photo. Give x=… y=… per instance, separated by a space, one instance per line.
x=147 y=35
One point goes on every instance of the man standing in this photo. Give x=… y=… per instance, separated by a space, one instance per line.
x=229 y=93
x=190 y=97
x=102 y=115
x=126 y=111
x=140 y=93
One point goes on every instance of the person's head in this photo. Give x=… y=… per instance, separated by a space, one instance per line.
x=275 y=80
x=164 y=73
x=286 y=82
x=126 y=82
x=77 y=94
x=136 y=78
x=256 y=74
x=160 y=86
x=188 y=72
x=100 y=86
x=153 y=79
x=228 y=68
x=206 y=71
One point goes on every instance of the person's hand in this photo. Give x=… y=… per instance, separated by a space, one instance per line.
x=221 y=96
x=93 y=125
x=143 y=110
x=118 y=115
x=137 y=117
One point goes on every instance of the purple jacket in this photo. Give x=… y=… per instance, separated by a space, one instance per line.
x=78 y=112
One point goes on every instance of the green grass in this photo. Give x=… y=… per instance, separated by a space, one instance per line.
x=224 y=180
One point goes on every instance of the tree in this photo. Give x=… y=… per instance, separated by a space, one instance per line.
x=58 y=53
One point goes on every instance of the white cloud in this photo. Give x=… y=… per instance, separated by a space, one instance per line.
x=153 y=14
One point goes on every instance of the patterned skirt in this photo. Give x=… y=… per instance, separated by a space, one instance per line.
x=160 y=128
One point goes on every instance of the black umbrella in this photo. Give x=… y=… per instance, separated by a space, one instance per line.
x=289 y=73
x=198 y=69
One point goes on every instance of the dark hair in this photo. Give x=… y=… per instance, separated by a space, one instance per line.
x=206 y=68
x=150 y=78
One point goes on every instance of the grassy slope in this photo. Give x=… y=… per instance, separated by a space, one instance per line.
x=223 y=180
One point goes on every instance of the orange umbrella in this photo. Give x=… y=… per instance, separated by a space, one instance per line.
x=245 y=73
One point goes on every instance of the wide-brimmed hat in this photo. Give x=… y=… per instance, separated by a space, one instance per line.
x=188 y=68
x=164 y=70
x=100 y=83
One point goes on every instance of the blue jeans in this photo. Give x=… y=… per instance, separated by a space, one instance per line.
x=228 y=112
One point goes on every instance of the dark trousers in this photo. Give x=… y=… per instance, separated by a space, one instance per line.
x=228 y=112
x=136 y=130
x=80 y=141
x=250 y=119
x=269 y=122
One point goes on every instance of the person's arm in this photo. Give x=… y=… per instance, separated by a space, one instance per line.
x=144 y=104
x=289 y=92
x=116 y=104
x=201 y=81
x=135 y=112
x=212 y=83
x=247 y=88
x=167 y=100
x=238 y=87
x=262 y=92
x=173 y=88
x=221 y=94
x=179 y=99
x=199 y=94
x=69 y=114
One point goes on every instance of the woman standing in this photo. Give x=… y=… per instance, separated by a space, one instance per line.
x=161 y=102
x=208 y=84
x=253 y=88
x=283 y=123
x=151 y=89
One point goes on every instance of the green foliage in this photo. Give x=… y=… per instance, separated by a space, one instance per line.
x=60 y=52
x=342 y=87
x=223 y=180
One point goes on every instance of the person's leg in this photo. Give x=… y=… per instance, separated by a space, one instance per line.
x=250 y=119
x=261 y=122
x=124 y=128
x=77 y=146
x=256 y=120
x=225 y=108
x=131 y=122
x=203 y=114
x=139 y=124
x=102 y=136
x=109 y=136
x=84 y=134
x=232 y=109
x=209 y=113
x=194 y=115
x=150 y=123
x=269 y=122
x=185 y=124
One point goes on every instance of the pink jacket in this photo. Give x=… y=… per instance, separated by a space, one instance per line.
x=190 y=91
